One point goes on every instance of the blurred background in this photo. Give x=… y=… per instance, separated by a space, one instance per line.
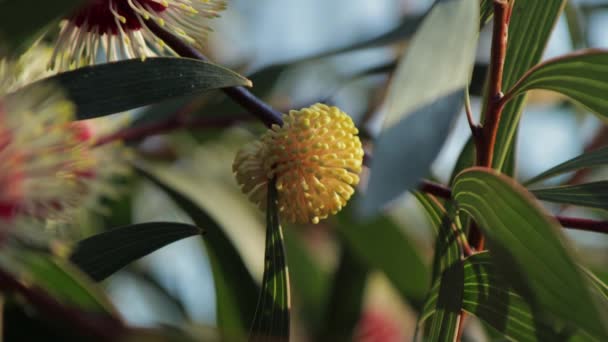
x=290 y=45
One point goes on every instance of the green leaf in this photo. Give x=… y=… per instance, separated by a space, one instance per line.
x=590 y=159
x=593 y=195
x=309 y=281
x=529 y=29
x=448 y=304
x=528 y=246
x=119 y=86
x=444 y=301
x=447 y=249
x=236 y=290
x=383 y=245
x=271 y=320
x=601 y=287
x=582 y=76
x=22 y=20
x=490 y=297
x=486 y=11
x=101 y=255
x=465 y=160
x=58 y=278
x=345 y=301
x=425 y=95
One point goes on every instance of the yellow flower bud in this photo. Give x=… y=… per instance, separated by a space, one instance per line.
x=316 y=157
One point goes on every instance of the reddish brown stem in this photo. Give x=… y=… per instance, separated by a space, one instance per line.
x=173 y=123
x=487 y=138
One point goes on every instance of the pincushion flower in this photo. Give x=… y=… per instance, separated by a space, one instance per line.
x=120 y=29
x=49 y=169
x=315 y=156
x=42 y=158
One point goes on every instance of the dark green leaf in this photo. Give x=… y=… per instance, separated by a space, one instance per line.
x=447 y=249
x=101 y=255
x=271 y=320
x=601 y=287
x=309 y=281
x=345 y=301
x=465 y=160
x=531 y=24
x=486 y=10
x=444 y=301
x=236 y=290
x=582 y=76
x=528 y=246
x=490 y=297
x=22 y=20
x=448 y=304
x=425 y=95
x=58 y=278
x=593 y=195
x=119 y=86
x=383 y=245
x=590 y=159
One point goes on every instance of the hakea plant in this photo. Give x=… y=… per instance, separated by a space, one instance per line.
x=305 y=167
x=120 y=29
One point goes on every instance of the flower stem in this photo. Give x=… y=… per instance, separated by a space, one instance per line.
x=240 y=95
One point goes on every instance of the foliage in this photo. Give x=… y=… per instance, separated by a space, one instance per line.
x=486 y=245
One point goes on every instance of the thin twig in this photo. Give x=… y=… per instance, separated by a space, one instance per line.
x=240 y=95
x=173 y=123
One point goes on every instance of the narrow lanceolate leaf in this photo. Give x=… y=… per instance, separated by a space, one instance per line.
x=582 y=76
x=486 y=10
x=447 y=249
x=101 y=255
x=529 y=247
x=382 y=244
x=444 y=301
x=425 y=95
x=489 y=296
x=593 y=195
x=531 y=24
x=119 y=86
x=22 y=20
x=236 y=290
x=600 y=286
x=64 y=282
x=595 y=158
x=342 y=310
x=271 y=320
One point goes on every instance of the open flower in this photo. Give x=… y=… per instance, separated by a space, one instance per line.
x=42 y=157
x=119 y=28
x=316 y=157
x=49 y=168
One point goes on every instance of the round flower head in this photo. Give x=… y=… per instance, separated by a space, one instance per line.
x=316 y=158
x=41 y=157
x=48 y=166
x=119 y=28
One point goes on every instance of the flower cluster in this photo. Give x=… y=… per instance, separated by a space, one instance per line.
x=49 y=168
x=315 y=156
x=121 y=29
